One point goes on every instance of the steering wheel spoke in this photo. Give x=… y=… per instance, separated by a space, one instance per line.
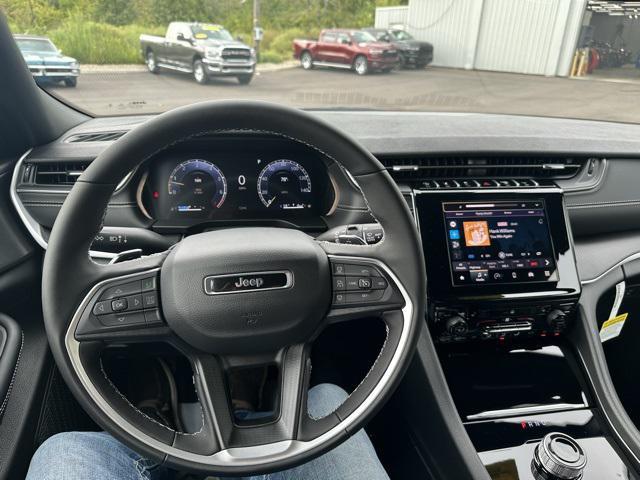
x=238 y=421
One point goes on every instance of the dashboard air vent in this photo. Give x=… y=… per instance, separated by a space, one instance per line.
x=58 y=173
x=95 y=137
x=415 y=170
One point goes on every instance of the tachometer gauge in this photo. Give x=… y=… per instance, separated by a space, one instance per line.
x=197 y=186
x=284 y=184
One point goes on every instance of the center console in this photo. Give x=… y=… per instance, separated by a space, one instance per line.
x=500 y=263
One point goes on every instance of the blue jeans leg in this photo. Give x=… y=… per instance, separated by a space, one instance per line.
x=90 y=455
x=99 y=456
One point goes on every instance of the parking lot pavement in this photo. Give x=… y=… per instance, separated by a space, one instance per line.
x=432 y=89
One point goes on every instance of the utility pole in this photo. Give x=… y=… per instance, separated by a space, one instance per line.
x=257 y=31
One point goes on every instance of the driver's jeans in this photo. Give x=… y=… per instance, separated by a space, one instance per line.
x=99 y=456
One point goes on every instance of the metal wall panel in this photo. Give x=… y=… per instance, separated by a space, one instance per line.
x=390 y=16
x=519 y=36
x=450 y=25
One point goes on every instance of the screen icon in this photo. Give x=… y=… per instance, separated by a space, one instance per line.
x=454 y=234
x=453 y=224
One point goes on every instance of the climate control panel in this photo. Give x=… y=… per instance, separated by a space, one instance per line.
x=459 y=323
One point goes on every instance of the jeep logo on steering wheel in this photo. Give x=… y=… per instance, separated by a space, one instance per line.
x=246 y=282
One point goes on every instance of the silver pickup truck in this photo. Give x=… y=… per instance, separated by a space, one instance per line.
x=201 y=49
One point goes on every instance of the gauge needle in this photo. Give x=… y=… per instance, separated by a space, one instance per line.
x=271 y=201
x=177 y=183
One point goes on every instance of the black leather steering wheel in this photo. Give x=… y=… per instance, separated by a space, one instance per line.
x=271 y=320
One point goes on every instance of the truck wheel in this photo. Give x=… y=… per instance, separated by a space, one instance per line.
x=245 y=79
x=71 y=81
x=152 y=64
x=200 y=72
x=361 y=65
x=306 y=60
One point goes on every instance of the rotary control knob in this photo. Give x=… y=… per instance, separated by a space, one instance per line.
x=557 y=319
x=558 y=457
x=456 y=325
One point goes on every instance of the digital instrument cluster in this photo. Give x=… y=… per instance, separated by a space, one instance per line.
x=223 y=186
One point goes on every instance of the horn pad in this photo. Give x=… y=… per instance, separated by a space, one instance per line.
x=245 y=290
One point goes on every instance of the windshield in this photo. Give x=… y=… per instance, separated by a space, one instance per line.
x=581 y=62
x=210 y=32
x=401 y=35
x=362 y=37
x=35 y=45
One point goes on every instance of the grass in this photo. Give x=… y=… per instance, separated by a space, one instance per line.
x=102 y=43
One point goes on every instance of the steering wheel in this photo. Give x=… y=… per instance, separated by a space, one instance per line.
x=231 y=297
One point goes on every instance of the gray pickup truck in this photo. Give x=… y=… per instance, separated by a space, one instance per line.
x=201 y=49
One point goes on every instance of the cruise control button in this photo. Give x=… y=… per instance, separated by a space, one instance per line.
x=364 y=283
x=101 y=308
x=361 y=271
x=339 y=298
x=122 y=319
x=352 y=283
x=134 y=302
x=119 y=304
x=339 y=283
x=379 y=283
x=150 y=300
x=338 y=269
x=122 y=290
x=364 y=297
x=153 y=317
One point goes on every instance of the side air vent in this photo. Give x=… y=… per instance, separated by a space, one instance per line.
x=415 y=170
x=95 y=137
x=58 y=173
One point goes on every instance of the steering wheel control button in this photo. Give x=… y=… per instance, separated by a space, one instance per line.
x=123 y=319
x=361 y=271
x=152 y=317
x=101 y=308
x=150 y=300
x=365 y=297
x=122 y=290
x=134 y=302
x=119 y=304
x=364 y=283
x=378 y=283
x=148 y=284
x=339 y=283
x=558 y=456
x=338 y=269
x=339 y=298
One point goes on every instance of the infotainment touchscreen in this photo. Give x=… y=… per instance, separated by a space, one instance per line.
x=498 y=242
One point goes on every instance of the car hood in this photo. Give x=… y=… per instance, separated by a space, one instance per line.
x=47 y=58
x=221 y=43
x=412 y=44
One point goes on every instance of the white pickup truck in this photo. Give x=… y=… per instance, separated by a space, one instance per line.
x=201 y=49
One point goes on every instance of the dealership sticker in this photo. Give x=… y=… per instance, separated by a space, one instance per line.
x=612 y=327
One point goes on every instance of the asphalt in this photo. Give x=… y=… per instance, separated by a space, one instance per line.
x=601 y=96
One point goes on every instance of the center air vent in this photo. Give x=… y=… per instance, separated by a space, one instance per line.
x=58 y=173
x=415 y=170
x=95 y=137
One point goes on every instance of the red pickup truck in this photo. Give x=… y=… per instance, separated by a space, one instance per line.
x=349 y=49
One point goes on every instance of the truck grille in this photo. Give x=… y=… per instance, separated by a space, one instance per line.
x=390 y=54
x=236 y=54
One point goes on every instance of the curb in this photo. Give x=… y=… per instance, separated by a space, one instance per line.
x=135 y=68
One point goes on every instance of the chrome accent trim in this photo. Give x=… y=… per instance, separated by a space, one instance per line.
x=602 y=173
x=493 y=190
x=33 y=227
x=336 y=195
x=331 y=64
x=630 y=258
x=533 y=410
x=287 y=274
x=259 y=455
x=141 y=184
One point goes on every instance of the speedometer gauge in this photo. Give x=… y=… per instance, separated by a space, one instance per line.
x=197 y=186
x=286 y=185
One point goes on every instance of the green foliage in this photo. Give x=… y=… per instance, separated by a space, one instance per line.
x=107 y=31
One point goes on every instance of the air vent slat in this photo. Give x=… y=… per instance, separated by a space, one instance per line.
x=415 y=170
x=58 y=173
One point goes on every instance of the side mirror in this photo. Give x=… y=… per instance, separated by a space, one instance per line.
x=345 y=41
x=240 y=38
x=181 y=38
